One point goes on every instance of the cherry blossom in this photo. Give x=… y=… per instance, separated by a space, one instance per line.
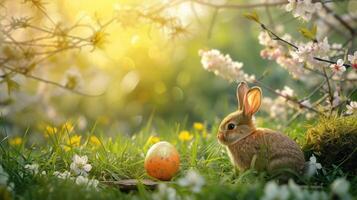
x=302 y=8
x=338 y=68
x=353 y=59
x=223 y=65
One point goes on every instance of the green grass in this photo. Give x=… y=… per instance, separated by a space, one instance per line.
x=122 y=157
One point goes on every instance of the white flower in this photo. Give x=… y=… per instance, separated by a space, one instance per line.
x=353 y=59
x=44 y=173
x=307 y=51
x=82 y=180
x=193 y=180
x=340 y=187
x=313 y=166
x=338 y=68
x=265 y=39
x=351 y=108
x=286 y=92
x=272 y=191
x=80 y=166
x=165 y=192
x=33 y=168
x=64 y=175
x=223 y=65
x=302 y=8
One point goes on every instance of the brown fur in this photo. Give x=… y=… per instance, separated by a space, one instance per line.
x=248 y=146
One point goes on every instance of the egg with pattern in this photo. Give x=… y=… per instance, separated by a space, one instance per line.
x=162 y=161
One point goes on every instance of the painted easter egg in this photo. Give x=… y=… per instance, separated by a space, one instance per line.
x=162 y=161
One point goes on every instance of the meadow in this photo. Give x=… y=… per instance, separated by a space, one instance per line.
x=88 y=87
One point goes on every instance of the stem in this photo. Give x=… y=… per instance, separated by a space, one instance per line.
x=261 y=84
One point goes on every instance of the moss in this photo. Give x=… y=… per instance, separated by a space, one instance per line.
x=334 y=141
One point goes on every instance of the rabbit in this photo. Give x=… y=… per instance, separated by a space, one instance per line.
x=259 y=148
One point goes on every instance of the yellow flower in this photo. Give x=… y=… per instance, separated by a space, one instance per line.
x=74 y=141
x=185 y=136
x=198 y=126
x=94 y=140
x=68 y=127
x=50 y=131
x=153 y=139
x=16 y=141
x=66 y=148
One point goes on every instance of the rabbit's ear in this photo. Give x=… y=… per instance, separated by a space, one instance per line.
x=252 y=101
x=242 y=89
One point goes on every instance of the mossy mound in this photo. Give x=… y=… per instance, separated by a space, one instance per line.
x=334 y=141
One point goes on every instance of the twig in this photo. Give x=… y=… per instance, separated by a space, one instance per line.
x=339 y=19
x=261 y=84
x=51 y=82
x=240 y=6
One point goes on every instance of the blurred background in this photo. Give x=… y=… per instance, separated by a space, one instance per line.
x=139 y=69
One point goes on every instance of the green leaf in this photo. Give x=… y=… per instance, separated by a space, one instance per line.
x=309 y=34
x=252 y=16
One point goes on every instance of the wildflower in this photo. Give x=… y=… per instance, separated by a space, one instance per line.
x=50 y=131
x=74 y=141
x=198 y=126
x=66 y=148
x=80 y=166
x=153 y=139
x=340 y=187
x=193 y=180
x=223 y=65
x=16 y=141
x=185 y=136
x=81 y=180
x=68 y=127
x=273 y=191
x=338 y=68
x=313 y=166
x=33 y=168
x=94 y=140
x=353 y=59
x=63 y=175
x=165 y=192
x=302 y=8
x=351 y=108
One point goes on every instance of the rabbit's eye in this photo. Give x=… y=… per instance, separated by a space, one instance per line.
x=231 y=126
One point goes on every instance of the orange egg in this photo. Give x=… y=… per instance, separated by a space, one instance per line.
x=162 y=161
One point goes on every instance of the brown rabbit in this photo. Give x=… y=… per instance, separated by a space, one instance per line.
x=259 y=148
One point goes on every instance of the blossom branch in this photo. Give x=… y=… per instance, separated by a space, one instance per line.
x=276 y=37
